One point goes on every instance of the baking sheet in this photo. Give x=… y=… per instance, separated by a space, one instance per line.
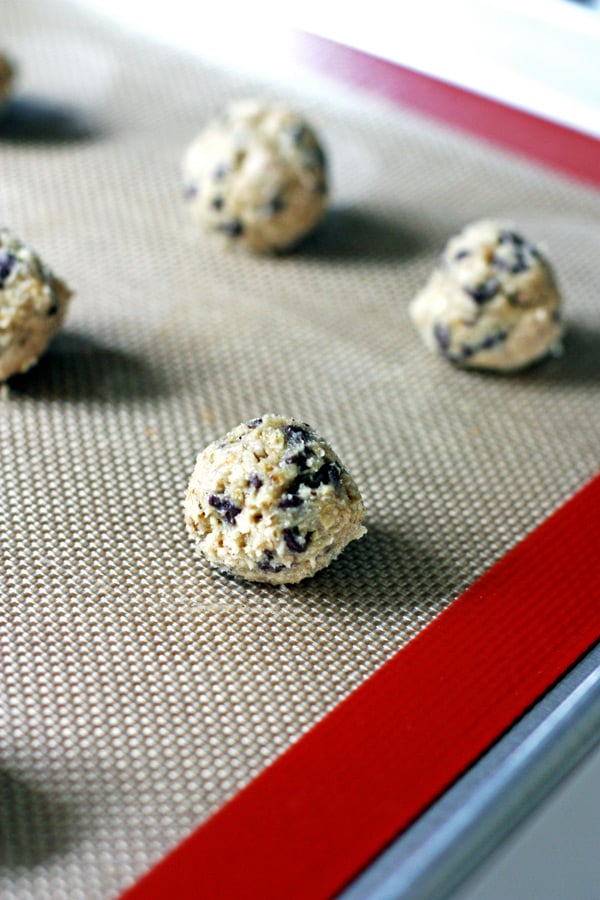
x=141 y=690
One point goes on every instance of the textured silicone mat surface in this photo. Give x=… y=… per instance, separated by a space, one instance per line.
x=140 y=690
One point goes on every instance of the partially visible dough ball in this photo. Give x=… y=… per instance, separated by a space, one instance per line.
x=258 y=175
x=272 y=502
x=6 y=79
x=33 y=303
x=492 y=302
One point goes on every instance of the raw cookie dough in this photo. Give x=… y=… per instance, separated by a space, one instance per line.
x=272 y=502
x=6 y=78
x=33 y=303
x=492 y=302
x=258 y=175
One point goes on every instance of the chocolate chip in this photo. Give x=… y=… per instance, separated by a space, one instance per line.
x=276 y=205
x=290 y=501
x=314 y=157
x=190 y=191
x=7 y=261
x=266 y=563
x=295 y=541
x=301 y=459
x=296 y=434
x=217 y=203
x=254 y=423
x=255 y=481
x=232 y=229
x=298 y=133
x=510 y=237
x=53 y=309
x=462 y=254
x=515 y=267
x=441 y=333
x=332 y=474
x=492 y=340
x=328 y=473
x=483 y=292
x=220 y=172
x=225 y=507
x=519 y=265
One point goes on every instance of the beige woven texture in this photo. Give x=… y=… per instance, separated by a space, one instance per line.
x=140 y=690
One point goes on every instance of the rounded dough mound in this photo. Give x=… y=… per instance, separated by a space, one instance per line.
x=6 y=79
x=492 y=302
x=272 y=502
x=33 y=303
x=257 y=175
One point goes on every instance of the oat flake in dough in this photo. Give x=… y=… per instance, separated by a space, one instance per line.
x=33 y=303
x=272 y=502
x=492 y=301
x=257 y=175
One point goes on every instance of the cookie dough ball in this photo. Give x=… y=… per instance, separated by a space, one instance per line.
x=492 y=302
x=257 y=175
x=33 y=303
x=272 y=502
x=6 y=79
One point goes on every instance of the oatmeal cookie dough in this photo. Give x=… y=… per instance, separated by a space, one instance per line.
x=257 y=175
x=33 y=303
x=492 y=301
x=6 y=79
x=272 y=502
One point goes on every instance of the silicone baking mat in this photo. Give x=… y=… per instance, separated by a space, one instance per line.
x=141 y=691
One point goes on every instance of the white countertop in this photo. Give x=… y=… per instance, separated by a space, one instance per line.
x=539 y=55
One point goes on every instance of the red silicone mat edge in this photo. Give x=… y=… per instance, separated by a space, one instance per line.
x=311 y=820
x=545 y=142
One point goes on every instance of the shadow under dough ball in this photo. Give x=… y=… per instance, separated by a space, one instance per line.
x=272 y=502
x=257 y=175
